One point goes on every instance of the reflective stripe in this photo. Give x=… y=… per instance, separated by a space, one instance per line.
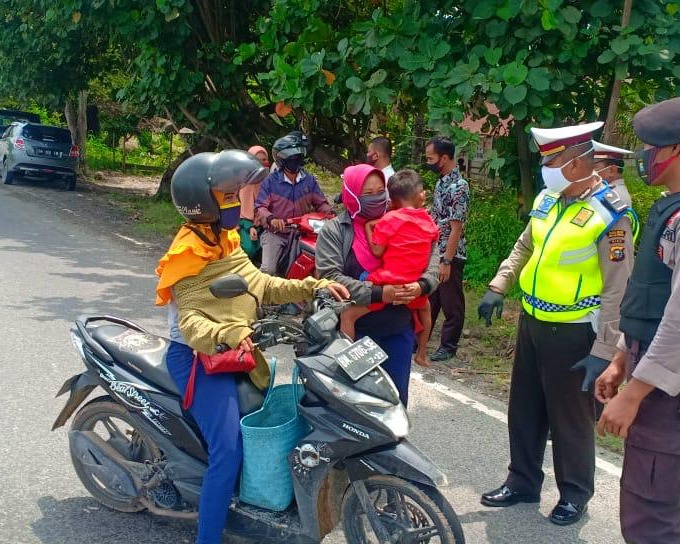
x=544 y=305
x=578 y=256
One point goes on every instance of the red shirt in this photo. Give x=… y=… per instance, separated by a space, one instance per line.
x=407 y=235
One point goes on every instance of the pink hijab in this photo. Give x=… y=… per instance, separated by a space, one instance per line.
x=353 y=182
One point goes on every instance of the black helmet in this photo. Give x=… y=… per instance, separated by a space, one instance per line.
x=293 y=143
x=194 y=180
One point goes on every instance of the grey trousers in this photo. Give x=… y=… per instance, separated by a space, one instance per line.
x=272 y=247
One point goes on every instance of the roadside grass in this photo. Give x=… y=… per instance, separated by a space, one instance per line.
x=150 y=217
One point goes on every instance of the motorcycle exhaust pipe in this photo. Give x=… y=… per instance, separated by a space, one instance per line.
x=105 y=463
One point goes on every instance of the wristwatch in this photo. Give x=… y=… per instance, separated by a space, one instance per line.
x=446 y=261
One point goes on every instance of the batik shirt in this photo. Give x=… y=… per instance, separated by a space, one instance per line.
x=450 y=202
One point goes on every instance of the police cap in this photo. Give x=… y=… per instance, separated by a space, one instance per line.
x=659 y=124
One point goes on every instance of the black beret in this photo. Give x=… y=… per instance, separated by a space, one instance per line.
x=659 y=124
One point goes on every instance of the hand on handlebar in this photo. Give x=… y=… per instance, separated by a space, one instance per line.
x=338 y=291
x=277 y=225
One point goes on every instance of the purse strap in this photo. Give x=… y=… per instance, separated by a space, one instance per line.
x=189 y=391
x=272 y=377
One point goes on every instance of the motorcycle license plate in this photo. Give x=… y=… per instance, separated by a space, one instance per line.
x=359 y=358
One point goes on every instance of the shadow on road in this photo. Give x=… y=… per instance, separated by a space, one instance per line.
x=80 y=520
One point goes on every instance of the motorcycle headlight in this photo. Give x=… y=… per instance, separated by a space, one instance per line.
x=391 y=416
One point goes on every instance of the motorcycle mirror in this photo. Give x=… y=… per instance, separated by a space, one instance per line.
x=230 y=286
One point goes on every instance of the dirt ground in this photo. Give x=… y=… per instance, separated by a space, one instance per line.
x=133 y=184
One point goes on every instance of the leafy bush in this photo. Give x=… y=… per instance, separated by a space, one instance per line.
x=492 y=229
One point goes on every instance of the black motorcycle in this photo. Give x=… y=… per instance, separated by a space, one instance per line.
x=135 y=449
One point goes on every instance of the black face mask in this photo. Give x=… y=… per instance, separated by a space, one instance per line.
x=293 y=164
x=434 y=167
x=373 y=206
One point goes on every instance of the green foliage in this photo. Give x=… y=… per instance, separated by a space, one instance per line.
x=492 y=229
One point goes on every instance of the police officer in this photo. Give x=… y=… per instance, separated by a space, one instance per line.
x=609 y=164
x=572 y=262
x=645 y=412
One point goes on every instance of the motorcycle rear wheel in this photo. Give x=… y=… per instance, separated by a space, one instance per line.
x=115 y=426
x=407 y=512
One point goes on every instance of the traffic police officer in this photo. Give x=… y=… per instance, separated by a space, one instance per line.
x=609 y=164
x=572 y=262
x=646 y=411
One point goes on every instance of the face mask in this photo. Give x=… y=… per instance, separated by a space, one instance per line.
x=648 y=170
x=293 y=164
x=229 y=215
x=555 y=180
x=373 y=206
x=434 y=167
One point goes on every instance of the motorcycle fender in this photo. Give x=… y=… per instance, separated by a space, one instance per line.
x=402 y=459
x=79 y=386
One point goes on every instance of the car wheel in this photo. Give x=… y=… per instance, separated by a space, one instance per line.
x=7 y=176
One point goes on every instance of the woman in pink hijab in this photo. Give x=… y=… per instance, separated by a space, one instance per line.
x=248 y=226
x=343 y=254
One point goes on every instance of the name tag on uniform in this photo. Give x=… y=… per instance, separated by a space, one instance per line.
x=544 y=206
x=582 y=217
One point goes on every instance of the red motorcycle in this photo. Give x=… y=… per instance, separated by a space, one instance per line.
x=297 y=259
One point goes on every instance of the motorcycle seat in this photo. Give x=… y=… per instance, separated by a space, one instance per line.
x=143 y=353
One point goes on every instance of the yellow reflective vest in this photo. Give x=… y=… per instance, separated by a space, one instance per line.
x=562 y=280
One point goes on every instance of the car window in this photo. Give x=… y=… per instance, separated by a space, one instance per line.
x=43 y=133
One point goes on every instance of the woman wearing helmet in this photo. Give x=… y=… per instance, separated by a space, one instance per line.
x=288 y=192
x=205 y=191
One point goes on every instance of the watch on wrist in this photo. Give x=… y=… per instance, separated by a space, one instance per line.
x=446 y=261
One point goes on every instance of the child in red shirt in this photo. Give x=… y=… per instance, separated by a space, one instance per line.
x=403 y=238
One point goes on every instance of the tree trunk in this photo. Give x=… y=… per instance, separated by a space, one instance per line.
x=418 y=147
x=610 y=122
x=204 y=144
x=76 y=118
x=526 y=174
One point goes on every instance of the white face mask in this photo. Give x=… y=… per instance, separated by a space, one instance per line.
x=554 y=178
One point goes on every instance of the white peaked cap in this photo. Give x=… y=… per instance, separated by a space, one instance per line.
x=603 y=151
x=552 y=141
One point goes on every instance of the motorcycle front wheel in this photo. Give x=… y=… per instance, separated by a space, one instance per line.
x=406 y=512
x=114 y=426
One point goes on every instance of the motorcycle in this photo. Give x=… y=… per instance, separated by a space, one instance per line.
x=135 y=449
x=297 y=258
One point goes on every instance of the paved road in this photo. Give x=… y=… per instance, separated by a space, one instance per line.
x=54 y=265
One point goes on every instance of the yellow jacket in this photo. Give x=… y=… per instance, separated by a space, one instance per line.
x=206 y=321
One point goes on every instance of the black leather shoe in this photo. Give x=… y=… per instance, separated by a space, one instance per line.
x=566 y=513
x=504 y=496
x=442 y=354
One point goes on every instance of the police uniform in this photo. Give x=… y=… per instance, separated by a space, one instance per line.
x=615 y=155
x=650 y=321
x=572 y=263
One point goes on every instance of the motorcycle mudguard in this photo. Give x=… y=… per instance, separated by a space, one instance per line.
x=80 y=386
x=402 y=459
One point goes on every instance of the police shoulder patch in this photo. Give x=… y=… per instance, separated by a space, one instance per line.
x=582 y=217
x=617 y=253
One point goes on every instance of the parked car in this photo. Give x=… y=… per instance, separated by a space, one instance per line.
x=34 y=150
x=7 y=117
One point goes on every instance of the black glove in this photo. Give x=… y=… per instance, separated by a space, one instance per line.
x=593 y=367
x=489 y=301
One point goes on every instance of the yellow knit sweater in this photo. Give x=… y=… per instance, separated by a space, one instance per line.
x=206 y=321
